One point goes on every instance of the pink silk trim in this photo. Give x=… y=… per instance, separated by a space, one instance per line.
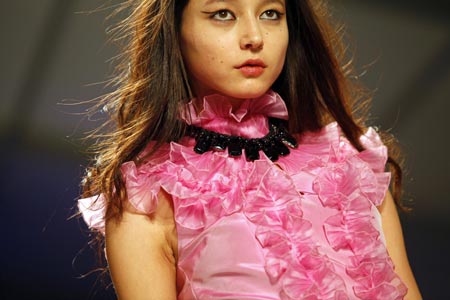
x=311 y=216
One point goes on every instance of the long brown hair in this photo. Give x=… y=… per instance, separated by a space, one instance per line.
x=151 y=83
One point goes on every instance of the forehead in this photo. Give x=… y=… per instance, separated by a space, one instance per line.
x=207 y=2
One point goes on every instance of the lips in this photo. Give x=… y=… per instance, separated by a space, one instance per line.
x=253 y=63
x=252 y=67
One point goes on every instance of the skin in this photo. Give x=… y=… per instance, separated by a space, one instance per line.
x=216 y=36
x=142 y=253
x=396 y=247
x=219 y=36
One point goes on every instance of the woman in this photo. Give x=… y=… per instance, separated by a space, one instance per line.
x=225 y=197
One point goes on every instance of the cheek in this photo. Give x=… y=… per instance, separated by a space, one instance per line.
x=277 y=47
x=283 y=44
x=284 y=38
x=213 y=49
x=209 y=53
x=199 y=51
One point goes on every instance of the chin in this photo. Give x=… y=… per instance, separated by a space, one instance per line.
x=246 y=93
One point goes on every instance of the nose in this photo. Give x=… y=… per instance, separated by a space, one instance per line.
x=251 y=37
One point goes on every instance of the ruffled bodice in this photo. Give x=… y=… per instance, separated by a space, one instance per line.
x=303 y=227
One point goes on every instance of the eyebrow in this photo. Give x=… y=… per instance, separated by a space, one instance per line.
x=213 y=1
x=282 y=2
x=265 y=2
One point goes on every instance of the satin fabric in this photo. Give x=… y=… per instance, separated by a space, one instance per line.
x=304 y=227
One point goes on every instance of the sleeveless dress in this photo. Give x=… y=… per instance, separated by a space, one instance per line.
x=303 y=227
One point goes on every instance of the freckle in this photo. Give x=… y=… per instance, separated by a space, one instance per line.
x=221 y=61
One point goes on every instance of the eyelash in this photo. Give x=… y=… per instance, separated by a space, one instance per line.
x=276 y=12
x=214 y=15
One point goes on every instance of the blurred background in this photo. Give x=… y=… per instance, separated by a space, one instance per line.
x=54 y=52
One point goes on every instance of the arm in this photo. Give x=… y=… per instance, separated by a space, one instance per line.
x=396 y=247
x=141 y=252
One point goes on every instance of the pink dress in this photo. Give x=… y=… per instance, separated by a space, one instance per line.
x=303 y=227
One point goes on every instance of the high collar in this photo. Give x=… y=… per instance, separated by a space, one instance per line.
x=248 y=120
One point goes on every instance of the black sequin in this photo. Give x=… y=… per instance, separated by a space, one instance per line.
x=276 y=143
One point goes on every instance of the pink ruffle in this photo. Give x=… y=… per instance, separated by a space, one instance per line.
x=93 y=210
x=351 y=183
x=249 y=120
x=286 y=237
x=206 y=187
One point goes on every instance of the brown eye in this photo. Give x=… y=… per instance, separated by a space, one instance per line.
x=223 y=15
x=270 y=15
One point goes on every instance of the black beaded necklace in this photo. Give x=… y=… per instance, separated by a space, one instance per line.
x=274 y=144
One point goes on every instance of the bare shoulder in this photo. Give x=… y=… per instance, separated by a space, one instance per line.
x=396 y=247
x=158 y=226
x=142 y=252
x=164 y=216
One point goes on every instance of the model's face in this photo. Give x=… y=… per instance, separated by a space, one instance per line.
x=234 y=47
